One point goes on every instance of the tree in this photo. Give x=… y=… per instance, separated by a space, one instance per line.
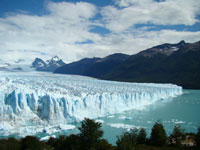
x=71 y=142
x=10 y=144
x=103 y=145
x=124 y=142
x=58 y=143
x=141 y=139
x=128 y=140
x=177 y=135
x=90 y=133
x=52 y=142
x=158 y=135
x=32 y=143
x=197 y=138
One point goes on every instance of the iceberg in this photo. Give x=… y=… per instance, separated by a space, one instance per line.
x=46 y=138
x=35 y=99
x=124 y=126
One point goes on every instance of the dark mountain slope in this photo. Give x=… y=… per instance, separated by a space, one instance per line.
x=80 y=67
x=182 y=67
x=94 y=67
x=168 y=63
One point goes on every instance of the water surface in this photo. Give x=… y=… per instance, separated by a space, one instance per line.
x=183 y=110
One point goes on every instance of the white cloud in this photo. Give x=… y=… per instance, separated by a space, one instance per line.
x=67 y=24
x=134 y=42
x=169 y=12
x=72 y=11
x=125 y=3
x=56 y=32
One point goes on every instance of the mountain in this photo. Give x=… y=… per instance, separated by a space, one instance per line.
x=164 y=49
x=50 y=65
x=94 y=67
x=181 y=67
x=19 y=59
x=167 y=63
x=38 y=63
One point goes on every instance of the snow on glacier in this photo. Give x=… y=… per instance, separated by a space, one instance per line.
x=30 y=102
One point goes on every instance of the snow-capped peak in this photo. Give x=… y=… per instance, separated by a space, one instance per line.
x=55 y=58
x=48 y=65
x=174 y=48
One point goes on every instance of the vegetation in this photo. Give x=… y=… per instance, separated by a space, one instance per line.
x=197 y=139
x=158 y=135
x=127 y=140
x=142 y=136
x=91 y=138
x=177 y=136
x=90 y=133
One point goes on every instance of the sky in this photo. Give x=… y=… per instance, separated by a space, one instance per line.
x=74 y=29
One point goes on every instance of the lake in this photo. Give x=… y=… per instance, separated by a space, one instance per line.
x=183 y=110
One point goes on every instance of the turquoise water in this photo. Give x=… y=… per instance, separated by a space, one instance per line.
x=183 y=110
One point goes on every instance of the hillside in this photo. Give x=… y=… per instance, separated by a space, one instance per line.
x=167 y=63
x=94 y=67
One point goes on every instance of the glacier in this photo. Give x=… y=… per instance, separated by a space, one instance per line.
x=33 y=102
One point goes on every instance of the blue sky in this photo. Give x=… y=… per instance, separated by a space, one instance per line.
x=75 y=29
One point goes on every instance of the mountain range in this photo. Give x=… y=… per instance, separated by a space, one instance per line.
x=167 y=63
x=50 y=65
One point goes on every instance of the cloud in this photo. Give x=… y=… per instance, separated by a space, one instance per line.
x=133 y=12
x=126 y=3
x=66 y=24
x=132 y=43
x=66 y=30
x=72 y=11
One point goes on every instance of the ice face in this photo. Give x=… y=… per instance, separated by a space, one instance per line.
x=42 y=99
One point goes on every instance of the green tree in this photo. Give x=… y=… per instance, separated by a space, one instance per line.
x=128 y=140
x=197 y=138
x=177 y=135
x=124 y=142
x=32 y=143
x=71 y=142
x=58 y=143
x=158 y=135
x=10 y=144
x=103 y=145
x=52 y=142
x=141 y=139
x=90 y=133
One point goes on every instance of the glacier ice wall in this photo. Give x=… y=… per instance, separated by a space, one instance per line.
x=48 y=99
